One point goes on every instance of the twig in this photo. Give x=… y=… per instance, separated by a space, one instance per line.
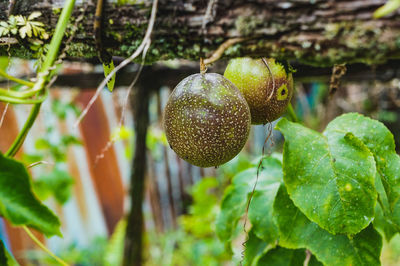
x=270 y=134
x=221 y=49
x=103 y=55
x=8 y=40
x=308 y=257
x=273 y=79
x=208 y=15
x=3 y=115
x=337 y=72
x=11 y=6
x=124 y=108
x=145 y=42
x=38 y=163
x=203 y=68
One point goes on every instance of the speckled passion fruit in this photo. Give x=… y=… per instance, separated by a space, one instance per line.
x=254 y=81
x=206 y=120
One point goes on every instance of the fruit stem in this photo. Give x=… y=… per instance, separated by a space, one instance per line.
x=221 y=49
x=203 y=68
x=291 y=113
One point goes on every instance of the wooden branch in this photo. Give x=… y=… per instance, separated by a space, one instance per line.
x=170 y=77
x=320 y=32
x=135 y=225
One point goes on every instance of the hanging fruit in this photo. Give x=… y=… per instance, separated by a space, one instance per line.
x=265 y=84
x=206 y=120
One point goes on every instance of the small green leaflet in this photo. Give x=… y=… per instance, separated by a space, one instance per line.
x=296 y=231
x=108 y=67
x=329 y=177
x=235 y=199
x=386 y=9
x=18 y=203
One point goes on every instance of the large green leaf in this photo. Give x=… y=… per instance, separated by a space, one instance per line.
x=260 y=213
x=17 y=202
x=330 y=178
x=280 y=256
x=234 y=203
x=380 y=142
x=254 y=248
x=385 y=220
x=297 y=231
x=233 y=207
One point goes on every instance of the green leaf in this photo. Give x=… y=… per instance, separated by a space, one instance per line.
x=314 y=262
x=330 y=178
x=115 y=247
x=4 y=61
x=233 y=207
x=6 y=258
x=202 y=213
x=67 y=140
x=34 y=15
x=234 y=203
x=58 y=184
x=384 y=220
x=386 y=9
x=384 y=224
x=296 y=231
x=108 y=67
x=261 y=213
x=42 y=144
x=380 y=142
x=280 y=256
x=17 y=202
x=254 y=248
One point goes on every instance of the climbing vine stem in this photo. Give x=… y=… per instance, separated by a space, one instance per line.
x=17 y=80
x=44 y=74
x=43 y=247
x=39 y=88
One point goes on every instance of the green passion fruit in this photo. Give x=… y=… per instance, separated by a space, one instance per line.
x=206 y=120
x=267 y=96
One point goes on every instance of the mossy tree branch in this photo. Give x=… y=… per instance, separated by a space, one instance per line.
x=318 y=32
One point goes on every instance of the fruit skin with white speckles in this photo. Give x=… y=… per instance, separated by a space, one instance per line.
x=254 y=81
x=206 y=120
